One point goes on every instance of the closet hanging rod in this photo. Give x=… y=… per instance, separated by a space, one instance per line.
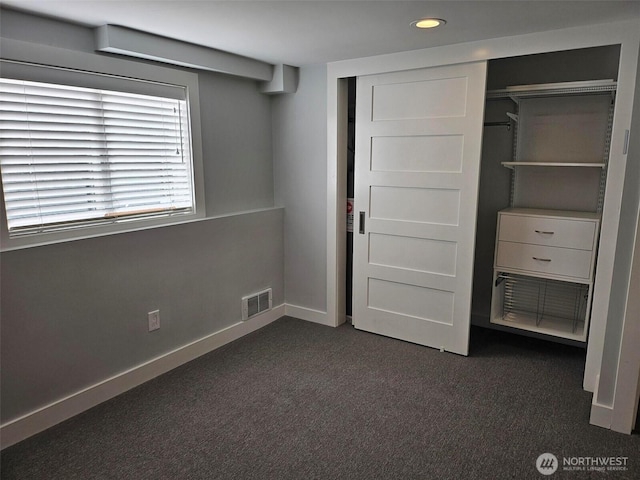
x=498 y=124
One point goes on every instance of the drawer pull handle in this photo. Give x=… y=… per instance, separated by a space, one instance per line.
x=542 y=259
x=544 y=233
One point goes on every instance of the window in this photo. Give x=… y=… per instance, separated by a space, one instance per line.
x=74 y=156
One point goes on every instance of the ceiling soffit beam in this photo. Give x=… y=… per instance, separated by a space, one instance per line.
x=134 y=43
x=285 y=80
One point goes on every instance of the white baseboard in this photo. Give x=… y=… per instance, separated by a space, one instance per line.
x=308 y=314
x=34 y=422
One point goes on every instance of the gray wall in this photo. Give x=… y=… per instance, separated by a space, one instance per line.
x=300 y=172
x=495 y=186
x=75 y=313
x=568 y=65
x=236 y=144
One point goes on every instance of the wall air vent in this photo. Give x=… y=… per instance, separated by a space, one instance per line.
x=256 y=303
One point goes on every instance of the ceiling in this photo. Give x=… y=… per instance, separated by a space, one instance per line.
x=309 y=32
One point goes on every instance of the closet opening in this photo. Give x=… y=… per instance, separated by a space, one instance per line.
x=565 y=63
x=543 y=171
x=545 y=151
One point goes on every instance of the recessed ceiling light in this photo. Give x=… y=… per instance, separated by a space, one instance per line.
x=428 y=23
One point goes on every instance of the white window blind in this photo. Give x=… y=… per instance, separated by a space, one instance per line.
x=73 y=156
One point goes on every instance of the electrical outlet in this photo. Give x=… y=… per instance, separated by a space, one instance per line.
x=154 y=320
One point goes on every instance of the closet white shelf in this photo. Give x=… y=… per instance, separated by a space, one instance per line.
x=512 y=165
x=555 y=326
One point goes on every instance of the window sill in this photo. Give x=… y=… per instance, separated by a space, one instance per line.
x=39 y=240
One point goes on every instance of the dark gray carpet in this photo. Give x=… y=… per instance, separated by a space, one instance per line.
x=297 y=400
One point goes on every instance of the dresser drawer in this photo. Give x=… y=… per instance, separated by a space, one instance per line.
x=554 y=232
x=542 y=259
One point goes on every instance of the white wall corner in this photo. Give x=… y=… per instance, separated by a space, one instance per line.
x=285 y=80
x=39 y=420
x=600 y=414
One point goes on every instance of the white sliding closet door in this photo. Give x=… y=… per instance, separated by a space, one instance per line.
x=418 y=146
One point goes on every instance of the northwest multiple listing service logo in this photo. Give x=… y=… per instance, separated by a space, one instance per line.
x=548 y=464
